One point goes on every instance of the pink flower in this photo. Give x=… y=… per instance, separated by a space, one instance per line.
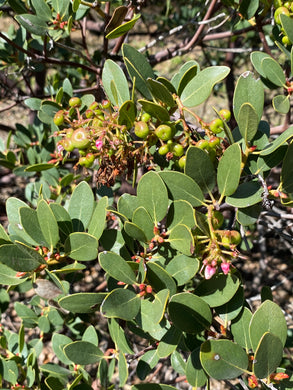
x=99 y=144
x=209 y=271
x=225 y=267
x=60 y=148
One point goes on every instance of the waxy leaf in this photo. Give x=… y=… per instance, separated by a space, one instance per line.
x=229 y=170
x=182 y=239
x=200 y=87
x=83 y=352
x=58 y=343
x=180 y=212
x=281 y=103
x=182 y=268
x=138 y=69
x=63 y=219
x=247 y=122
x=127 y=114
x=279 y=141
x=240 y=329
x=231 y=309
x=268 y=355
x=82 y=302
x=98 y=221
x=118 y=336
x=117 y=18
x=127 y=204
x=121 y=303
x=146 y=363
x=115 y=83
x=189 y=313
x=117 y=267
x=160 y=92
x=81 y=206
x=178 y=77
x=248 y=8
x=152 y=386
x=187 y=77
x=123 y=28
x=32 y=23
x=247 y=194
x=248 y=90
x=122 y=369
x=267 y=318
x=152 y=195
x=8 y=276
x=286 y=174
x=195 y=374
x=152 y=312
x=81 y=246
x=39 y=167
x=169 y=342
x=273 y=71
x=183 y=187
x=31 y=225
x=135 y=231
x=159 y=278
x=20 y=257
x=48 y=223
x=200 y=168
x=155 y=110
x=144 y=221
x=222 y=359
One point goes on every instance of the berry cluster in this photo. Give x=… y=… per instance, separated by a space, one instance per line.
x=283 y=8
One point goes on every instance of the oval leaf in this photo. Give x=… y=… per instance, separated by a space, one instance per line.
x=81 y=246
x=83 y=352
x=82 y=302
x=229 y=170
x=121 y=303
x=115 y=83
x=117 y=267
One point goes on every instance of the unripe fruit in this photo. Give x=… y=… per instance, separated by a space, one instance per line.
x=225 y=114
x=145 y=117
x=182 y=162
x=202 y=144
x=74 y=102
x=93 y=106
x=178 y=150
x=58 y=118
x=289 y=5
x=80 y=138
x=230 y=237
x=106 y=104
x=216 y=126
x=67 y=144
x=286 y=40
x=213 y=142
x=277 y=3
x=164 y=149
x=69 y=133
x=165 y=132
x=97 y=122
x=152 y=140
x=278 y=12
x=141 y=129
x=89 y=113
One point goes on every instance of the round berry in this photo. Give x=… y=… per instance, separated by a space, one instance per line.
x=165 y=132
x=59 y=118
x=67 y=144
x=141 y=129
x=213 y=142
x=286 y=40
x=163 y=150
x=216 y=126
x=69 y=133
x=146 y=117
x=182 y=162
x=178 y=150
x=75 y=102
x=106 y=104
x=80 y=138
x=277 y=3
x=202 y=144
x=225 y=114
x=278 y=12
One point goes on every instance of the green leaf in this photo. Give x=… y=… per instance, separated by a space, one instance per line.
x=268 y=355
x=98 y=220
x=218 y=290
x=63 y=219
x=143 y=220
x=200 y=87
x=90 y=335
x=159 y=279
x=115 y=83
x=27 y=315
x=81 y=246
x=123 y=29
x=160 y=92
x=20 y=258
x=189 y=313
x=152 y=195
x=33 y=103
x=127 y=204
x=122 y=369
x=167 y=84
x=195 y=374
x=48 y=223
x=81 y=206
x=42 y=9
x=182 y=268
x=286 y=174
x=121 y=303
x=181 y=186
x=267 y=162
x=152 y=386
x=146 y=363
x=8 y=276
x=279 y=141
x=155 y=110
x=135 y=231
x=249 y=90
x=200 y=168
x=83 y=352
x=58 y=343
x=169 y=342
x=182 y=239
x=267 y=318
x=187 y=77
x=82 y=302
x=127 y=114
x=231 y=309
x=247 y=122
x=240 y=329
x=248 y=8
x=138 y=68
x=229 y=170
x=177 y=362
x=31 y=225
x=39 y=167
x=117 y=267
x=281 y=103
x=33 y=24
x=117 y=334
x=152 y=312
x=183 y=71
x=273 y=71
x=222 y=359
x=55 y=370
x=287 y=25
x=117 y=18
x=180 y=212
x=75 y=5
x=247 y=194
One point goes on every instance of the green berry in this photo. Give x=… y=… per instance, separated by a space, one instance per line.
x=58 y=118
x=93 y=106
x=225 y=114
x=106 y=104
x=141 y=129
x=165 y=132
x=69 y=133
x=277 y=3
x=202 y=144
x=286 y=40
x=163 y=150
x=216 y=126
x=178 y=150
x=213 y=142
x=182 y=162
x=80 y=138
x=75 y=102
x=146 y=117
x=67 y=144
x=278 y=12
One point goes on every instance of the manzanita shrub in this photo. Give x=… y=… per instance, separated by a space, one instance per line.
x=172 y=290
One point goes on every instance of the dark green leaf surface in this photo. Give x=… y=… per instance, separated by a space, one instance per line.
x=121 y=303
x=83 y=352
x=117 y=267
x=268 y=355
x=115 y=83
